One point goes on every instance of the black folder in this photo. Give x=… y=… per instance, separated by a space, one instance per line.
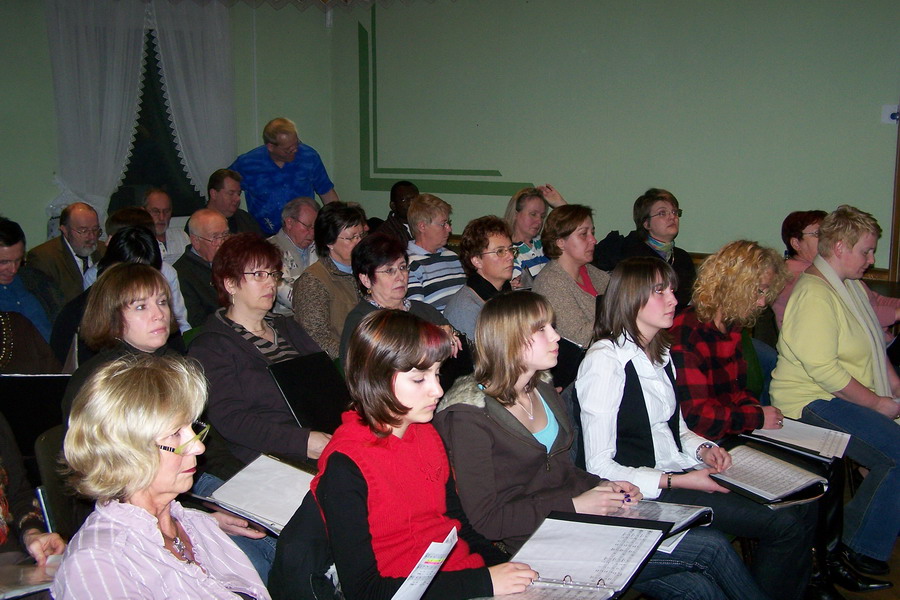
x=314 y=390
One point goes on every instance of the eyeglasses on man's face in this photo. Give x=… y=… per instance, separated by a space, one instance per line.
x=200 y=430
x=668 y=213
x=296 y=220
x=216 y=239
x=82 y=231
x=391 y=271
x=261 y=276
x=503 y=252
x=812 y=233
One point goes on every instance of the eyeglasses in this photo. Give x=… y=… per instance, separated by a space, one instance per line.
x=448 y=224
x=812 y=233
x=263 y=275
x=352 y=238
x=668 y=213
x=308 y=227
x=86 y=230
x=216 y=239
x=200 y=430
x=391 y=271
x=502 y=252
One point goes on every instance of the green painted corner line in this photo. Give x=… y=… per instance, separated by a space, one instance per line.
x=368 y=142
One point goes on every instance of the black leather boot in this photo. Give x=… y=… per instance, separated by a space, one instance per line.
x=842 y=574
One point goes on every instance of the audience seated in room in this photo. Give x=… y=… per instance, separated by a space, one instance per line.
x=224 y=195
x=488 y=256
x=281 y=169
x=296 y=240
x=134 y=468
x=435 y=272
x=14 y=294
x=208 y=230
x=525 y=215
x=833 y=372
x=569 y=281
x=326 y=291
x=385 y=488
x=657 y=219
x=634 y=431
x=396 y=225
x=381 y=271
x=508 y=435
x=65 y=258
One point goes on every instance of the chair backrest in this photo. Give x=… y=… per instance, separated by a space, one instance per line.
x=66 y=511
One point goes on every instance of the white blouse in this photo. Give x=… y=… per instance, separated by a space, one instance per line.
x=600 y=385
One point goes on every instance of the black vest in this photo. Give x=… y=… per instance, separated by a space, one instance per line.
x=634 y=443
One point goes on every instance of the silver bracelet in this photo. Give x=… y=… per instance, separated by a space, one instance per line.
x=701 y=447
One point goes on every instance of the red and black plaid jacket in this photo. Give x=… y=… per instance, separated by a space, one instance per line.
x=712 y=378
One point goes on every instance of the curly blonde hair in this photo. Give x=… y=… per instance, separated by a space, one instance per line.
x=728 y=282
x=846 y=224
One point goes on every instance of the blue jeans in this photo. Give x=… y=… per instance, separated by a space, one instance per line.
x=702 y=567
x=872 y=517
x=783 y=559
x=767 y=357
x=261 y=552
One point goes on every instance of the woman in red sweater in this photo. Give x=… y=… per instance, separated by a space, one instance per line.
x=385 y=487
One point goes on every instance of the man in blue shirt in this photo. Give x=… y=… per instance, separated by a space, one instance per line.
x=280 y=170
x=13 y=295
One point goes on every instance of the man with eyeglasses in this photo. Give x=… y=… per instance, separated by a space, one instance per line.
x=208 y=229
x=172 y=241
x=295 y=240
x=66 y=258
x=281 y=169
x=435 y=272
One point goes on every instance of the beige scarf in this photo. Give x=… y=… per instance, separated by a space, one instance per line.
x=853 y=295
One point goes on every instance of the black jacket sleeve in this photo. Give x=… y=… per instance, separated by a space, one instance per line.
x=342 y=495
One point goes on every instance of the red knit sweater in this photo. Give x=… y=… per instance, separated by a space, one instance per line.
x=406 y=479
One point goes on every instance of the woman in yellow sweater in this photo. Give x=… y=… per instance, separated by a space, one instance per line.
x=833 y=372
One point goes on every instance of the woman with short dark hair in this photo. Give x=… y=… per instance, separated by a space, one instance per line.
x=380 y=265
x=326 y=291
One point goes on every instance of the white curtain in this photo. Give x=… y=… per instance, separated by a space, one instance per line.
x=96 y=50
x=195 y=59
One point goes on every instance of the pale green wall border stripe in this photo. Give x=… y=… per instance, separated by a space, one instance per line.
x=368 y=141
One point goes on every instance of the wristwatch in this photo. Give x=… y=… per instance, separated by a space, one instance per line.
x=701 y=447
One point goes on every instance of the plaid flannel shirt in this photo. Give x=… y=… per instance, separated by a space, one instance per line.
x=712 y=378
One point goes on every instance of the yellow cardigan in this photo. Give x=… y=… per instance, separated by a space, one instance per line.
x=821 y=347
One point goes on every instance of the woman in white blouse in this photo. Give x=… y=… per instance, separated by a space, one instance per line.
x=633 y=432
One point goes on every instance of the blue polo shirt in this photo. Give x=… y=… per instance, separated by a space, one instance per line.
x=268 y=187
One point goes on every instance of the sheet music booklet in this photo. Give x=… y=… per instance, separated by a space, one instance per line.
x=586 y=556
x=807 y=440
x=267 y=492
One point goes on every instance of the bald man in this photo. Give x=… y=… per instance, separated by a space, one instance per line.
x=207 y=230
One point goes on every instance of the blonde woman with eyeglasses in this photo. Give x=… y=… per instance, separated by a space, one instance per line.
x=488 y=256
x=132 y=445
x=381 y=268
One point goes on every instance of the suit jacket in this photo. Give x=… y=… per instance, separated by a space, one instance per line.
x=54 y=259
x=575 y=309
x=195 y=279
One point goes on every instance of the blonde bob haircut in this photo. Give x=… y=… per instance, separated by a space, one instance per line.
x=387 y=342
x=118 y=416
x=631 y=284
x=119 y=285
x=425 y=208
x=729 y=280
x=502 y=334
x=846 y=224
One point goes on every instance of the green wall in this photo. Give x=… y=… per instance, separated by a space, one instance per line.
x=745 y=110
